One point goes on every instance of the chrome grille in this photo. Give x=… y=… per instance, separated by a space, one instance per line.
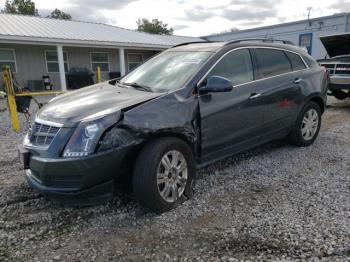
x=343 y=69
x=42 y=134
x=337 y=68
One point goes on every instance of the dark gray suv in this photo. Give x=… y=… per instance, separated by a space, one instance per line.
x=187 y=107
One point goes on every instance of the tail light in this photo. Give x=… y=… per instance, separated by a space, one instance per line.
x=325 y=72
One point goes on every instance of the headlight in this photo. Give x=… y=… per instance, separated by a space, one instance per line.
x=26 y=140
x=85 y=138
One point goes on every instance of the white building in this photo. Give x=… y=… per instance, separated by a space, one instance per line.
x=304 y=33
x=34 y=47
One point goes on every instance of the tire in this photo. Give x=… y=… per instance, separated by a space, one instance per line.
x=152 y=177
x=341 y=95
x=298 y=137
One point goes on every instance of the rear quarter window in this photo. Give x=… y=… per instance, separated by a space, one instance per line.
x=272 y=62
x=297 y=62
x=310 y=61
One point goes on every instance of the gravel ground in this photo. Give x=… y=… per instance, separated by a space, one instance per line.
x=276 y=202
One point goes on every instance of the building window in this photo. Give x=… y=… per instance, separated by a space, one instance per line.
x=305 y=40
x=99 y=59
x=8 y=57
x=134 y=60
x=51 y=58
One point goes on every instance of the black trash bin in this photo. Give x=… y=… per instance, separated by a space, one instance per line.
x=23 y=103
x=47 y=83
x=113 y=75
x=79 y=77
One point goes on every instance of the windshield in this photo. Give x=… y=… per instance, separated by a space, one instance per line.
x=168 y=71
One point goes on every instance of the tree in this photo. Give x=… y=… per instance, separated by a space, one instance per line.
x=153 y=27
x=58 y=14
x=24 y=7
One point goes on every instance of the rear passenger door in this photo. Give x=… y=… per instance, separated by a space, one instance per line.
x=281 y=87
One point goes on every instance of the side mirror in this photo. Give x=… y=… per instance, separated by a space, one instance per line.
x=216 y=84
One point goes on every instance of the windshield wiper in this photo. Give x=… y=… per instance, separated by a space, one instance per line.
x=139 y=86
x=117 y=83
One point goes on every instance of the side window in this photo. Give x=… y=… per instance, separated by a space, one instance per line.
x=297 y=62
x=272 y=62
x=235 y=66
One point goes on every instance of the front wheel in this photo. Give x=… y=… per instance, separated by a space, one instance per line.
x=307 y=125
x=164 y=174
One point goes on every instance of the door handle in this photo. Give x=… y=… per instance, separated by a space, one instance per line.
x=297 y=80
x=254 y=96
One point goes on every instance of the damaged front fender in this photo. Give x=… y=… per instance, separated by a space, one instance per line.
x=169 y=115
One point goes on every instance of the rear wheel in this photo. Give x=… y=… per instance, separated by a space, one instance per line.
x=307 y=125
x=164 y=174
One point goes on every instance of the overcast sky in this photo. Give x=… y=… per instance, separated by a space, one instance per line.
x=194 y=17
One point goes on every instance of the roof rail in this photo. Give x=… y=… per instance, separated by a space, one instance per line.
x=188 y=43
x=268 y=40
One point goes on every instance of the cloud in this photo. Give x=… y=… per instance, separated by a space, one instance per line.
x=199 y=13
x=87 y=13
x=103 y=4
x=180 y=27
x=281 y=19
x=180 y=1
x=194 y=17
x=250 y=24
x=235 y=10
x=91 y=10
x=248 y=14
x=253 y=10
x=341 y=6
x=267 y=4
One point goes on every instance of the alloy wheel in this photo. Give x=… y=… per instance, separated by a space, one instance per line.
x=172 y=176
x=310 y=124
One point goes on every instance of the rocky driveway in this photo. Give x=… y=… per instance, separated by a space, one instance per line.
x=276 y=202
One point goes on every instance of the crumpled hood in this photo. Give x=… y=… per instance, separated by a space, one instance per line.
x=336 y=45
x=92 y=102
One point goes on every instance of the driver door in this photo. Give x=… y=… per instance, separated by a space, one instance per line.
x=231 y=121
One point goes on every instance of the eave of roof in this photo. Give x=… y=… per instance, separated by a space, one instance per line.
x=68 y=42
x=30 y=29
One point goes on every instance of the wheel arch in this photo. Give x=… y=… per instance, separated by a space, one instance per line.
x=318 y=100
x=136 y=151
x=189 y=140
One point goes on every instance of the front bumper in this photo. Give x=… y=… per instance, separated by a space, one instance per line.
x=91 y=196
x=78 y=181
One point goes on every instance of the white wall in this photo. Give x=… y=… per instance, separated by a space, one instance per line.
x=31 y=65
x=336 y=24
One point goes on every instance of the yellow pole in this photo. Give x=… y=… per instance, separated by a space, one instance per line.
x=11 y=98
x=99 y=74
x=46 y=93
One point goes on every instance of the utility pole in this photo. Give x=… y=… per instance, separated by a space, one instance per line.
x=308 y=14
